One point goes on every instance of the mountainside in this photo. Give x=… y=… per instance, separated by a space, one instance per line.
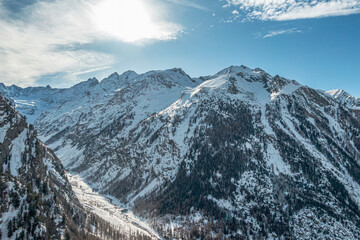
x=238 y=154
x=37 y=200
x=34 y=190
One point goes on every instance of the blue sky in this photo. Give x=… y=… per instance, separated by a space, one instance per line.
x=62 y=42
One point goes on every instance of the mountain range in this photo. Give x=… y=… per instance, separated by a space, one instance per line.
x=239 y=154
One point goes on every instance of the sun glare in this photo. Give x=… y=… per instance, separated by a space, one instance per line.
x=128 y=20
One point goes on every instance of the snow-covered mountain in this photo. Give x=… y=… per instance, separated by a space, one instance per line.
x=37 y=200
x=344 y=98
x=35 y=194
x=237 y=154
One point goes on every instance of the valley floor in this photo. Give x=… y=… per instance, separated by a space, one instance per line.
x=108 y=209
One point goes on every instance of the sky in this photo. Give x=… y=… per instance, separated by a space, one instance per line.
x=62 y=42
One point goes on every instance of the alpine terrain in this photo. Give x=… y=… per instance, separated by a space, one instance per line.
x=37 y=200
x=239 y=154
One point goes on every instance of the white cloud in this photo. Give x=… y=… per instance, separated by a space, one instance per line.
x=188 y=3
x=281 y=32
x=281 y=10
x=47 y=38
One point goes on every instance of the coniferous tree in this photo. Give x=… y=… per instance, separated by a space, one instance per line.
x=10 y=229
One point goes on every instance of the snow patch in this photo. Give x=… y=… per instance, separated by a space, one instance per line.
x=3 y=131
x=17 y=148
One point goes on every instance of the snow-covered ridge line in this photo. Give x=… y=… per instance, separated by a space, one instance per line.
x=33 y=101
x=344 y=98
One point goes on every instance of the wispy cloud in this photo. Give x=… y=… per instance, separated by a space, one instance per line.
x=188 y=3
x=281 y=10
x=281 y=32
x=47 y=36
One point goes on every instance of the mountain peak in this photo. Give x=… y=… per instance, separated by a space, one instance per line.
x=271 y=83
x=126 y=75
x=234 y=69
x=344 y=98
x=169 y=78
x=113 y=75
x=89 y=83
x=129 y=74
x=93 y=80
x=336 y=93
x=115 y=81
x=178 y=70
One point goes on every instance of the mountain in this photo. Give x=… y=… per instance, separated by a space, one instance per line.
x=34 y=190
x=239 y=154
x=37 y=200
x=344 y=98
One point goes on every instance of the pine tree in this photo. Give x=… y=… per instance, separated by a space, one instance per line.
x=10 y=229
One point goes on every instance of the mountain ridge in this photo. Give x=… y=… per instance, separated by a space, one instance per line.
x=115 y=78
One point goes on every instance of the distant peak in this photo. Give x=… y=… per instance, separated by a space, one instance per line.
x=181 y=72
x=344 y=97
x=178 y=70
x=89 y=83
x=235 y=69
x=125 y=75
x=340 y=95
x=93 y=80
x=15 y=86
x=336 y=93
x=114 y=75
x=129 y=74
x=259 y=70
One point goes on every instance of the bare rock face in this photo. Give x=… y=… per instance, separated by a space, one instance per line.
x=239 y=154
